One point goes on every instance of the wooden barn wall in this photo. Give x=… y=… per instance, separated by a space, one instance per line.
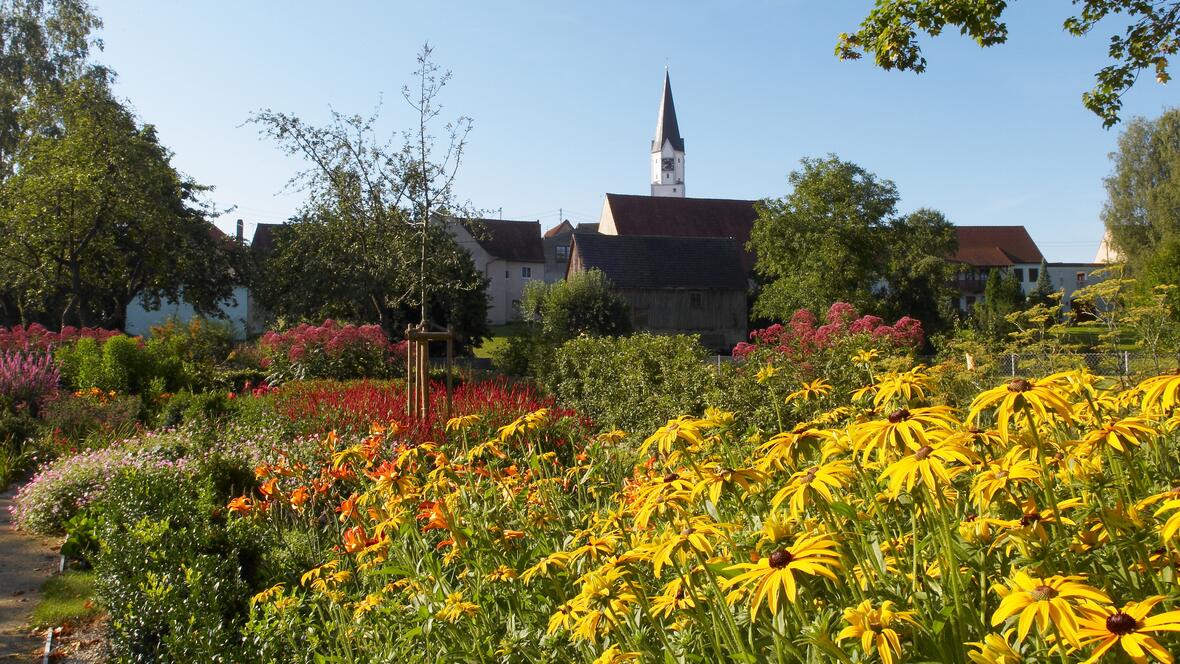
x=718 y=316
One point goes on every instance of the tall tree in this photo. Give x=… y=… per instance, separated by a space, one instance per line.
x=377 y=206
x=917 y=274
x=837 y=237
x=1152 y=35
x=336 y=266
x=94 y=215
x=1142 y=211
x=43 y=44
x=1003 y=295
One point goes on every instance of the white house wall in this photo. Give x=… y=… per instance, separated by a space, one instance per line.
x=140 y=319
x=505 y=278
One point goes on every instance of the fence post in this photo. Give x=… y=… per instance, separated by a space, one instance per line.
x=1126 y=363
x=1012 y=359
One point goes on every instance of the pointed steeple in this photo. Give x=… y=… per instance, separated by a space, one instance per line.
x=666 y=127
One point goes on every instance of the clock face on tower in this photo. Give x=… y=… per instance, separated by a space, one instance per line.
x=667 y=164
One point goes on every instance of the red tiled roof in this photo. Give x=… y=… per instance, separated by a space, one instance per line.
x=995 y=246
x=564 y=227
x=509 y=240
x=685 y=217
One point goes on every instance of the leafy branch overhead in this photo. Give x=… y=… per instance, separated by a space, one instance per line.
x=891 y=31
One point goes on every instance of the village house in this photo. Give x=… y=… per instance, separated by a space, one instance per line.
x=556 y=243
x=140 y=319
x=509 y=254
x=675 y=285
x=1011 y=249
x=986 y=248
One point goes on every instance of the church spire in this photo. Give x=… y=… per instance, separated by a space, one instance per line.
x=666 y=127
x=667 y=149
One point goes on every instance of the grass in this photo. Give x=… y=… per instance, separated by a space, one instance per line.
x=65 y=598
x=1087 y=334
x=499 y=338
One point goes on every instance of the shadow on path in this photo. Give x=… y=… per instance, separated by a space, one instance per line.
x=25 y=562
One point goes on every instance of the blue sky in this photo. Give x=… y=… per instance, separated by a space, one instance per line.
x=564 y=98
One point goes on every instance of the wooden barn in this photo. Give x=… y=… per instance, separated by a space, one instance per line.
x=675 y=285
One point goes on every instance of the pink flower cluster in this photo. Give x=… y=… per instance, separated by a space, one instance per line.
x=28 y=378
x=330 y=350
x=803 y=336
x=36 y=337
x=331 y=337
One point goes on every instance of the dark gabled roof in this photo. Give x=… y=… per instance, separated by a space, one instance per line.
x=685 y=217
x=995 y=246
x=666 y=126
x=587 y=227
x=564 y=227
x=698 y=263
x=264 y=236
x=508 y=240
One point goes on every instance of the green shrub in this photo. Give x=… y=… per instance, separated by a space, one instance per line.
x=190 y=354
x=16 y=426
x=121 y=364
x=581 y=304
x=524 y=355
x=174 y=574
x=634 y=383
x=88 y=421
x=82 y=541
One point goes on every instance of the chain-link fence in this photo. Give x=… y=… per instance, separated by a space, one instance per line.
x=1124 y=363
x=1135 y=364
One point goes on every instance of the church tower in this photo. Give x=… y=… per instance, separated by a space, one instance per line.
x=667 y=149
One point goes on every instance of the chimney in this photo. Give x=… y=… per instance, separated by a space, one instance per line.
x=241 y=227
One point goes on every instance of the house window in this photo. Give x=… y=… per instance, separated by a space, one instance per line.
x=694 y=300
x=1081 y=277
x=1033 y=274
x=526 y=272
x=563 y=252
x=507 y=274
x=1019 y=272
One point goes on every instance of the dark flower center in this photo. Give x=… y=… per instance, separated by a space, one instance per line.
x=680 y=594
x=1001 y=474
x=671 y=477
x=809 y=477
x=1042 y=593
x=781 y=558
x=923 y=452
x=688 y=530
x=899 y=415
x=1030 y=519
x=1121 y=623
x=1019 y=385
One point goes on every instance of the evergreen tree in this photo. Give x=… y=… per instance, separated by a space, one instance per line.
x=1002 y=295
x=1044 y=289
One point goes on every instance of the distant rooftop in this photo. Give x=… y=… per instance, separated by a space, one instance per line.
x=701 y=263
x=995 y=246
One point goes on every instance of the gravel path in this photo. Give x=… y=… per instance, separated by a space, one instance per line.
x=25 y=562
